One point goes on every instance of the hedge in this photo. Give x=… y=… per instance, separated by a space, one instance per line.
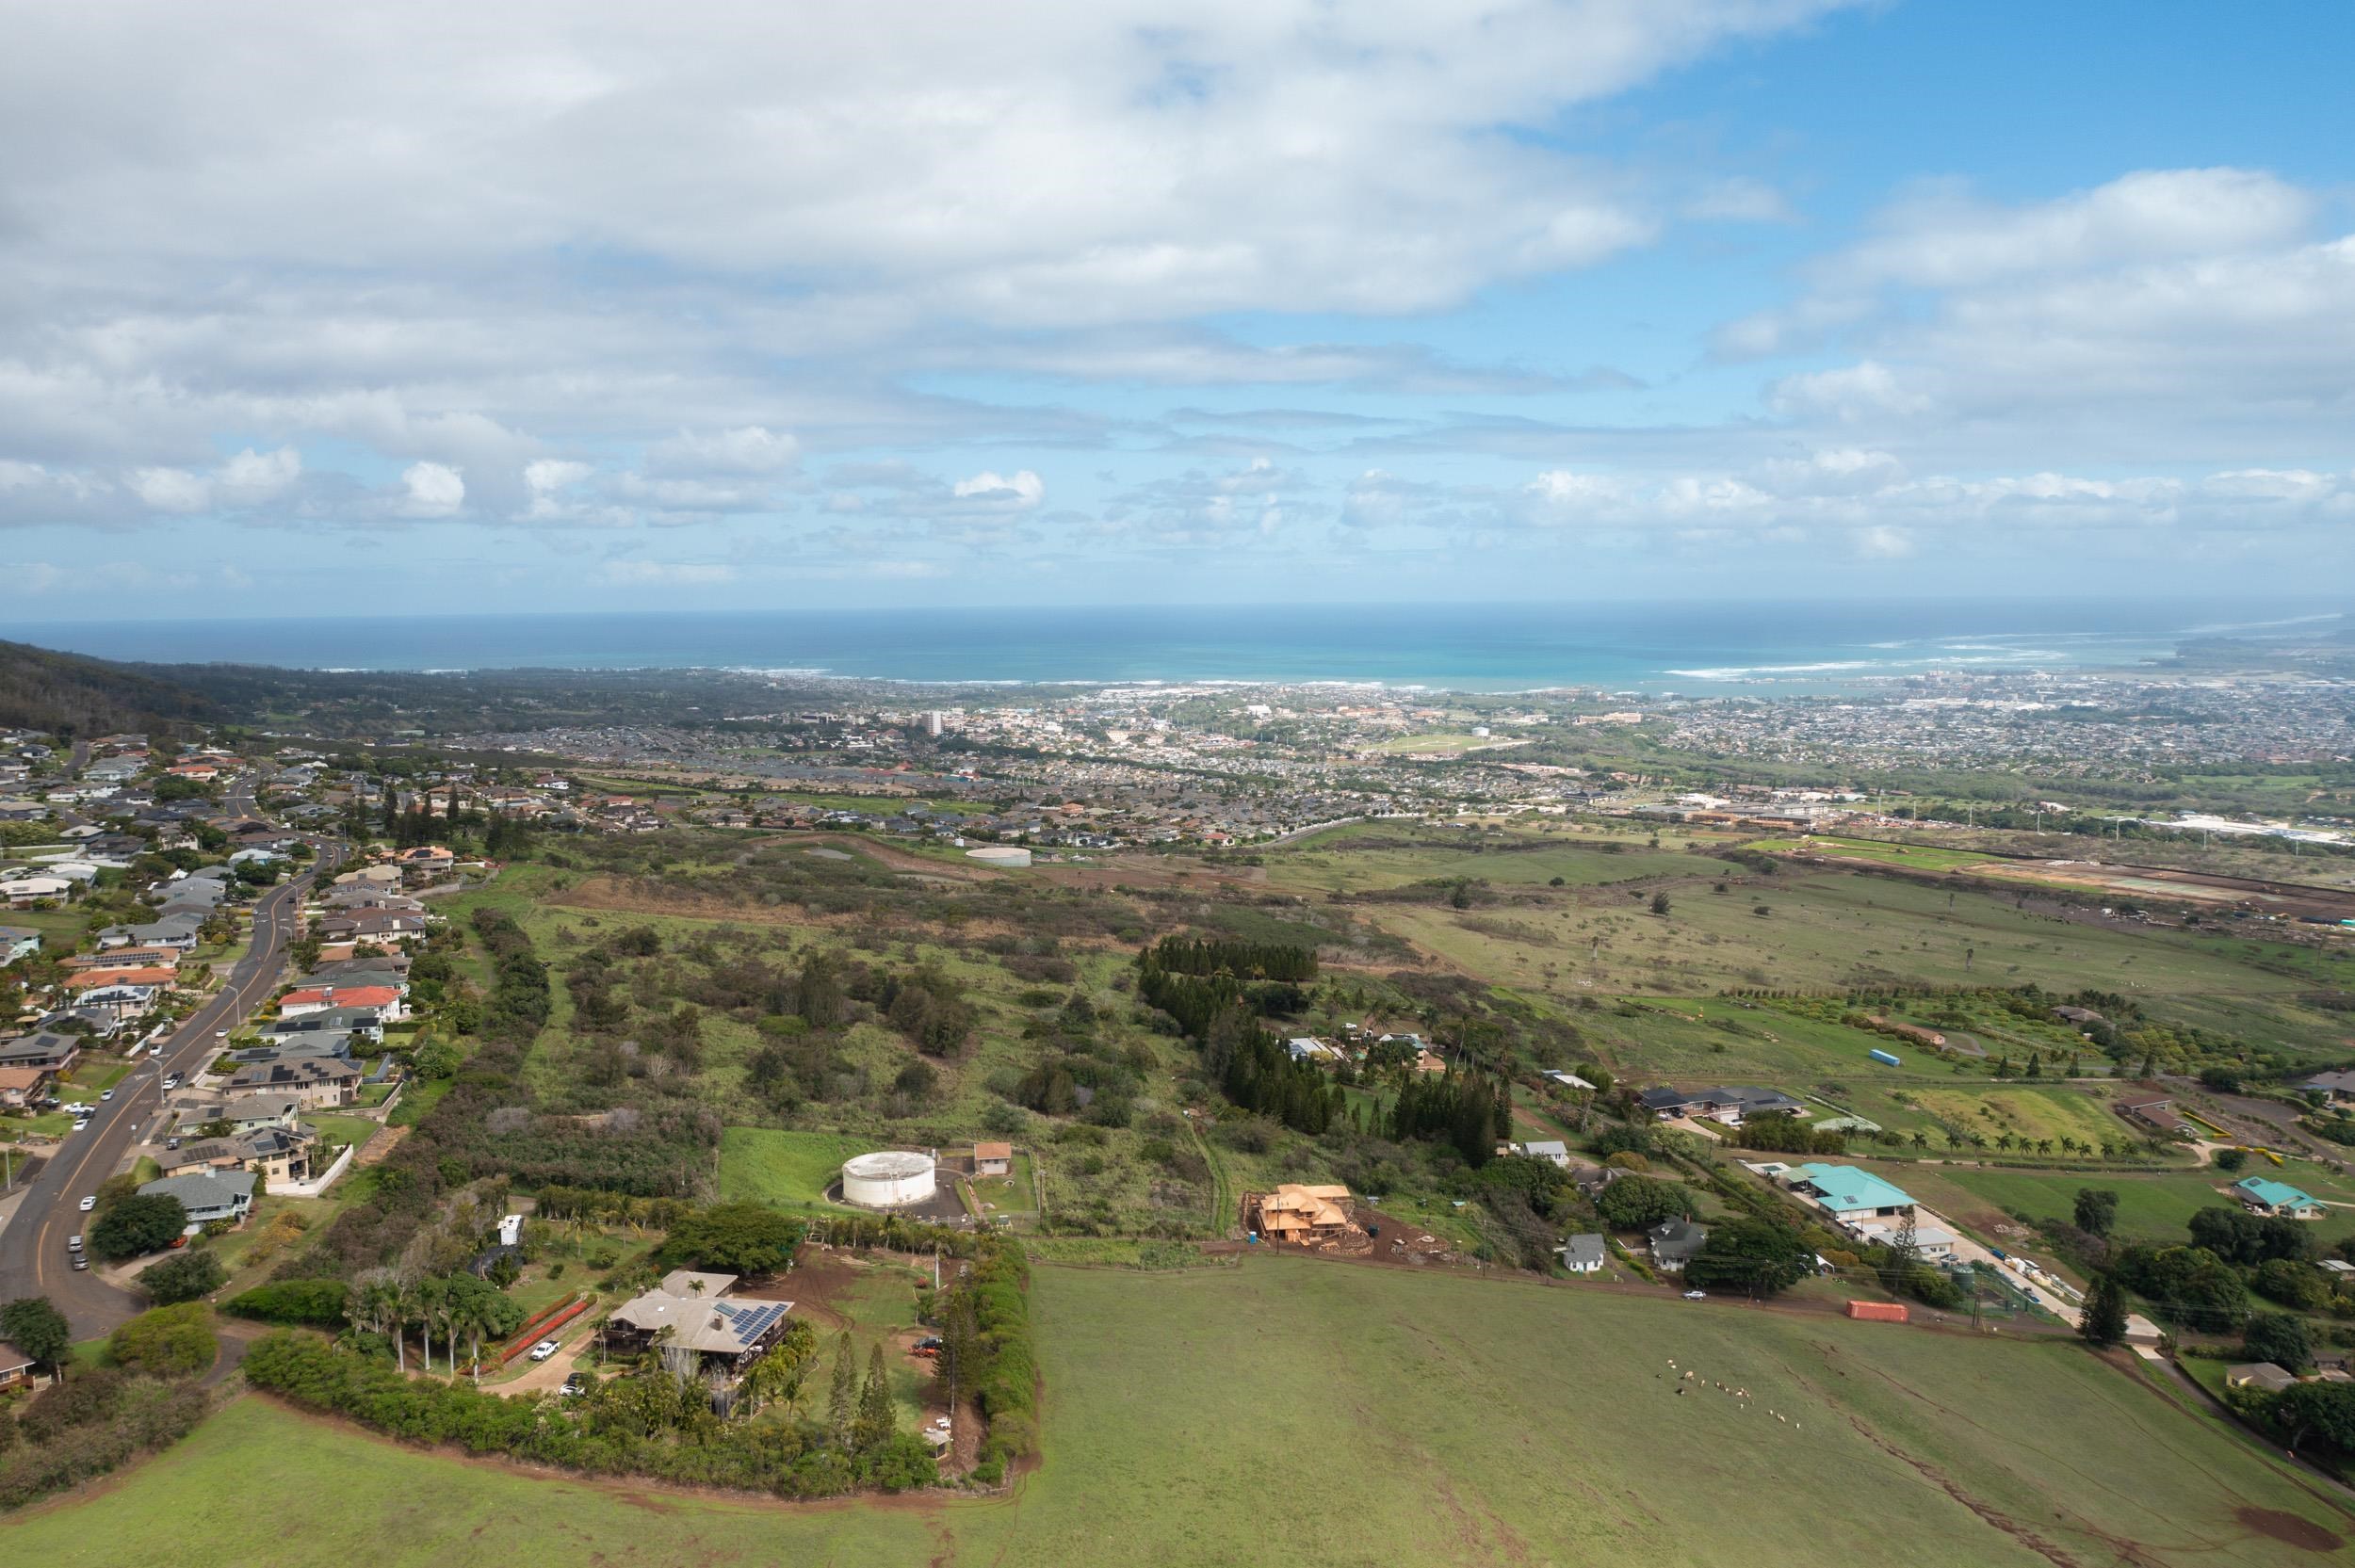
x=321 y=1303
x=546 y=1323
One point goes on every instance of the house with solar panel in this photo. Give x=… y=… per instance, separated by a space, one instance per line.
x=692 y=1313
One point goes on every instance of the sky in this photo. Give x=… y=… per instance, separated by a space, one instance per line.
x=308 y=310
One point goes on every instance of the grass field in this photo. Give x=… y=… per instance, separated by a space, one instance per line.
x=1454 y=1421
x=792 y=1169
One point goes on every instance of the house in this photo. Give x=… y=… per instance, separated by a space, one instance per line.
x=47 y=1050
x=177 y=932
x=2084 y=1018
x=1554 y=1151
x=2339 y=1087
x=1675 y=1243
x=1930 y=1243
x=314 y=1082
x=124 y=957
x=691 y=1312
x=1721 y=1104
x=16 y=1367
x=2260 y=1375
x=25 y=892
x=1304 y=1048
x=992 y=1160
x=142 y=975
x=367 y=1022
x=17 y=943
x=383 y=1000
x=208 y=1195
x=2267 y=1196
x=1584 y=1255
x=21 y=1086
x=425 y=863
x=274 y=1154
x=192 y=1110
x=2156 y=1108
x=1297 y=1213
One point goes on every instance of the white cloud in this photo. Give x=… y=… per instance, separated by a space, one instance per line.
x=1016 y=491
x=171 y=489
x=252 y=478
x=433 y=489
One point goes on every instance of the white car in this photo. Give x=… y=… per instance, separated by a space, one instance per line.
x=88 y=1203
x=80 y=1122
x=546 y=1348
x=171 y=1080
x=1697 y=1295
x=105 y=1095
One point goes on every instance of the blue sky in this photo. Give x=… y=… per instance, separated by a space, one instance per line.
x=1105 y=302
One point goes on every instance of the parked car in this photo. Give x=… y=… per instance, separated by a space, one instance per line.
x=1697 y=1295
x=171 y=1143
x=575 y=1384
x=928 y=1346
x=89 y=1202
x=171 y=1080
x=546 y=1348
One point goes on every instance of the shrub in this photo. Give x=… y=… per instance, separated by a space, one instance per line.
x=182 y=1277
x=319 y=1303
x=167 y=1341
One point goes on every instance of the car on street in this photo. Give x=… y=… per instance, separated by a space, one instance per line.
x=80 y=1262
x=73 y=1243
x=89 y=1202
x=171 y=1080
x=80 y=1122
x=546 y=1348
x=105 y=1094
x=1697 y=1295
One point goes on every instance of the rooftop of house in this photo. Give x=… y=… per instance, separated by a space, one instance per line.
x=2274 y=1194
x=203 y=1190
x=1844 y=1187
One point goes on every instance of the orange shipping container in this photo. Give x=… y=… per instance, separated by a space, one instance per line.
x=1879 y=1311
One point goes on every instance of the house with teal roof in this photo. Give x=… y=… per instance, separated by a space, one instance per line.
x=2280 y=1199
x=1848 y=1194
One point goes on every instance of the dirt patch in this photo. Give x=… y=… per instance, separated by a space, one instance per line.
x=2291 y=1530
x=380 y=1147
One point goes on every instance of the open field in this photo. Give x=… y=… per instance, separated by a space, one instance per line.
x=1460 y=1421
x=788 y=1168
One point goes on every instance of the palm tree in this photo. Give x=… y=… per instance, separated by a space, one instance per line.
x=2005 y=1142
x=425 y=1305
x=1920 y=1139
x=2043 y=1145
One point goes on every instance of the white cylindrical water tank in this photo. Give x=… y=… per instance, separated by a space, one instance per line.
x=891 y=1179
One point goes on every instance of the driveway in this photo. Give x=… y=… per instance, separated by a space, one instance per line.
x=2053 y=1300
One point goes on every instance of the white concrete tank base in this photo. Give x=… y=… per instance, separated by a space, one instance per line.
x=1005 y=856
x=894 y=1178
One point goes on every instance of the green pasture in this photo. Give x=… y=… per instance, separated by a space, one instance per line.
x=790 y=1169
x=1459 y=1420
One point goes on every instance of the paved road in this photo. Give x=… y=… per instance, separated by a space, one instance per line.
x=34 y=1260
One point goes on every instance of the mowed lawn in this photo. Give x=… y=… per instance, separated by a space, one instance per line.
x=1447 y=1420
x=2150 y=1208
x=788 y=1168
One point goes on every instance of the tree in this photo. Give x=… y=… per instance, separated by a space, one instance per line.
x=2230 y=1159
x=2103 y=1323
x=1639 y=1202
x=167 y=1341
x=2097 y=1210
x=182 y=1277
x=2324 y=1409
x=35 y=1326
x=842 y=1401
x=736 y=1239
x=139 y=1223
x=1755 y=1256
x=2280 y=1338
x=1660 y=904
x=779 y=1371
x=874 y=1424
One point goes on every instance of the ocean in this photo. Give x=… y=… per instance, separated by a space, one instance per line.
x=1620 y=646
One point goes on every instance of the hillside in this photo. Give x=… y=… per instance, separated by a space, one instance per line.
x=68 y=693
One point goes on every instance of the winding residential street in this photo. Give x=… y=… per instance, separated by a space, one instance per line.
x=34 y=1259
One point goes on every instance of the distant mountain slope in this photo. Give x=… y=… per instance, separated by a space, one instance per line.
x=67 y=692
